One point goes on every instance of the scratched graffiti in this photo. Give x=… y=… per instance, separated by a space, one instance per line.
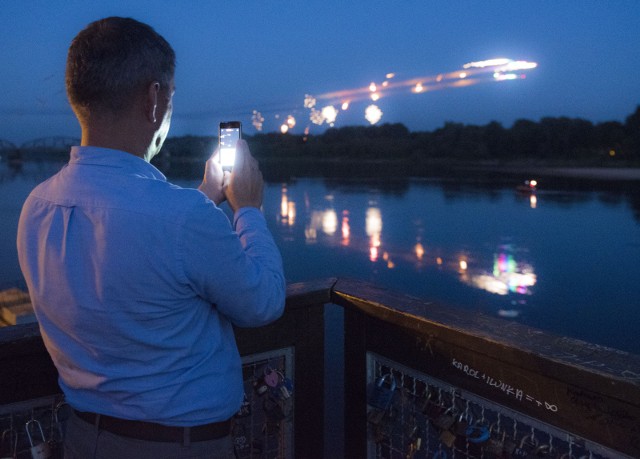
x=498 y=384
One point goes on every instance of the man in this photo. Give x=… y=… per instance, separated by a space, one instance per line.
x=136 y=282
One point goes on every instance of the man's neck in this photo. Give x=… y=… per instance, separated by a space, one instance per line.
x=115 y=133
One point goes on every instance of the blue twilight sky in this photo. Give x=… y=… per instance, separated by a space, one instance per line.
x=235 y=57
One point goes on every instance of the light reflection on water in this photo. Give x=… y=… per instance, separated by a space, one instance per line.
x=532 y=257
x=566 y=262
x=507 y=275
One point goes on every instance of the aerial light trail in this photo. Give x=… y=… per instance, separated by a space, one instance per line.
x=472 y=73
x=477 y=72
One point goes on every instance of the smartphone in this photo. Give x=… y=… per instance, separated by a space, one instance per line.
x=229 y=133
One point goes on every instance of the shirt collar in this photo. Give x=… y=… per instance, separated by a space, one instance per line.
x=114 y=158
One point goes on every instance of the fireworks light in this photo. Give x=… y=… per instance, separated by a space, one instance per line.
x=472 y=73
x=257 y=119
x=373 y=114
x=329 y=113
x=309 y=101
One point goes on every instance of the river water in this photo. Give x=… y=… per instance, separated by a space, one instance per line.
x=561 y=259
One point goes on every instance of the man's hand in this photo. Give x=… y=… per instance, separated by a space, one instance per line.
x=212 y=183
x=245 y=184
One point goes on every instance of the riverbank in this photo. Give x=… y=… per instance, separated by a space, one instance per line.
x=499 y=172
x=284 y=169
x=590 y=173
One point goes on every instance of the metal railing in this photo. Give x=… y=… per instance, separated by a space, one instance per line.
x=402 y=378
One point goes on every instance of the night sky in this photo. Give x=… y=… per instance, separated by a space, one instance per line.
x=237 y=57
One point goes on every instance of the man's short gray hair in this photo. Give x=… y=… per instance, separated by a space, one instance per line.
x=112 y=61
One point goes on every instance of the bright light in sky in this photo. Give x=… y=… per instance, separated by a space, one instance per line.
x=309 y=101
x=505 y=76
x=373 y=114
x=518 y=65
x=316 y=117
x=487 y=63
x=329 y=113
x=257 y=119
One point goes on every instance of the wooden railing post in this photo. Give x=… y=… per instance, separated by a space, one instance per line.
x=355 y=399
x=302 y=328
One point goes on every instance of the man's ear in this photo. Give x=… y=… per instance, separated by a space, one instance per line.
x=152 y=101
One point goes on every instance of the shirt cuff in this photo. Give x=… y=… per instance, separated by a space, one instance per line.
x=246 y=212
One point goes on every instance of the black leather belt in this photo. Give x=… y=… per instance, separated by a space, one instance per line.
x=150 y=431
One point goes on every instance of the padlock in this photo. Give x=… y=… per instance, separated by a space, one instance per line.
x=414 y=447
x=446 y=420
x=9 y=444
x=271 y=377
x=461 y=424
x=411 y=451
x=508 y=447
x=459 y=428
x=241 y=442
x=39 y=450
x=272 y=410
x=477 y=433
x=414 y=435
x=375 y=416
x=433 y=410
x=245 y=408
x=260 y=387
x=61 y=414
x=382 y=432
x=527 y=447
x=383 y=391
x=284 y=390
x=495 y=446
x=421 y=402
x=545 y=451
x=448 y=438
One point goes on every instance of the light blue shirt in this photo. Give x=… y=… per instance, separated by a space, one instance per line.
x=136 y=284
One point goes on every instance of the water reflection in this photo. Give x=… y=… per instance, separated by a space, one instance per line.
x=507 y=274
x=346 y=228
x=287 y=209
x=373 y=226
x=503 y=272
x=419 y=251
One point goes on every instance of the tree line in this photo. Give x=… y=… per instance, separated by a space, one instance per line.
x=561 y=140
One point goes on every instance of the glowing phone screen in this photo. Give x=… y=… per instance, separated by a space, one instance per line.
x=228 y=139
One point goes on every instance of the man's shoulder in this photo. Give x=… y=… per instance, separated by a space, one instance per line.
x=171 y=198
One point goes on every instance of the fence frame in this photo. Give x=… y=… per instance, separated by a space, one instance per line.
x=595 y=389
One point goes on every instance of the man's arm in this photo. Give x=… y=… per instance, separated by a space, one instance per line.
x=241 y=272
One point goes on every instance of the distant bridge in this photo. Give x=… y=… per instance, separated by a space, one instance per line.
x=6 y=147
x=55 y=147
